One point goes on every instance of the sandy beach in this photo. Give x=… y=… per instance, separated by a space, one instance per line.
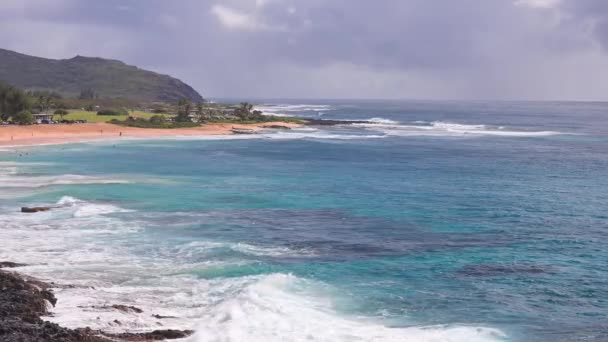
x=60 y=134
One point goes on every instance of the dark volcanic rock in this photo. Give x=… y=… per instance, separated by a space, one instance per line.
x=276 y=127
x=45 y=332
x=34 y=209
x=20 y=298
x=8 y=264
x=21 y=305
x=156 y=335
x=322 y=122
x=24 y=300
x=162 y=317
x=123 y=308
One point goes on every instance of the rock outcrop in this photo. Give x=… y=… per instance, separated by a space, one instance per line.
x=23 y=301
x=34 y=209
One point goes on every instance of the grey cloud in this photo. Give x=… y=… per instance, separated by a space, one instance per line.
x=333 y=48
x=593 y=14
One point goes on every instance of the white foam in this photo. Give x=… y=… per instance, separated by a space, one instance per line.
x=83 y=208
x=19 y=179
x=270 y=251
x=383 y=121
x=321 y=134
x=15 y=181
x=288 y=110
x=275 y=308
x=205 y=247
x=440 y=129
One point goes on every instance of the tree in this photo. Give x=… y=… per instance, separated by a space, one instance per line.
x=43 y=102
x=24 y=117
x=183 y=111
x=244 y=111
x=201 y=112
x=61 y=109
x=12 y=101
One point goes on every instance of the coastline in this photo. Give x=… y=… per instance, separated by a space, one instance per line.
x=25 y=301
x=21 y=136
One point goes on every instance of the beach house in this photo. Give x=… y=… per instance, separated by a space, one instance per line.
x=43 y=118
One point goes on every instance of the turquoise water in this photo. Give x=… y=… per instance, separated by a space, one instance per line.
x=443 y=221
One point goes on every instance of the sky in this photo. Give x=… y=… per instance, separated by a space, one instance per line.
x=397 y=49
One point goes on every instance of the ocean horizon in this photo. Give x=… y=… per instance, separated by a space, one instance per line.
x=428 y=221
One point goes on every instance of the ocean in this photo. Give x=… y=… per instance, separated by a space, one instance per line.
x=438 y=221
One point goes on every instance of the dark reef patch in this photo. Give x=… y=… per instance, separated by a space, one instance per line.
x=491 y=270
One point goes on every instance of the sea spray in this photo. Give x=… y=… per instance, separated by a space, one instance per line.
x=267 y=310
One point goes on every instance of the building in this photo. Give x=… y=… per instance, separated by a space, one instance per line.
x=43 y=118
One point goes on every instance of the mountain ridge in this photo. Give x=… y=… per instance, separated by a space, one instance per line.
x=109 y=78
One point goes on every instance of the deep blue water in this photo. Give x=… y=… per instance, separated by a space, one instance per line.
x=445 y=221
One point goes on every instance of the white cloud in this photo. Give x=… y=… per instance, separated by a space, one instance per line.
x=262 y=3
x=235 y=20
x=544 y=4
x=240 y=21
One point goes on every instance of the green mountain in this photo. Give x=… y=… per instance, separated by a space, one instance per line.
x=107 y=78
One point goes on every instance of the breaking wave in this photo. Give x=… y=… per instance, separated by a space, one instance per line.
x=311 y=133
x=84 y=208
x=440 y=128
x=383 y=121
x=282 y=307
x=291 y=110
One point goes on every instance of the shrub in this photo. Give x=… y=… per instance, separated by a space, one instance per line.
x=157 y=119
x=112 y=112
x=143 y=123
x=61 y=112
x=24 y=117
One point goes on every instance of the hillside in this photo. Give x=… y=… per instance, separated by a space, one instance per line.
x=108 y=78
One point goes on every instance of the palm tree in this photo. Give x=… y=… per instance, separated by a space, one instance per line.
x=183 y=110
x=200 y=112
x=244 y=111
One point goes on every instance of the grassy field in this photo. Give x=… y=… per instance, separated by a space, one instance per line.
x=93 y=117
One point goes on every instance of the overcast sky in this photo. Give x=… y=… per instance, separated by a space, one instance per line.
x=411 y=49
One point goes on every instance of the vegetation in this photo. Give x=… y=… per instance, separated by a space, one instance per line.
x=184 y=107
x=12 y=101
x=24 y=117
x=244 y=113
x=113 y=112
x=156 y=121
x=87 y=79
x=18 y=106
x=61 y=110
x=91 y=116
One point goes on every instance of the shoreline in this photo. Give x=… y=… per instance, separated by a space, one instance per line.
x=38 y=135
x=25 y=301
